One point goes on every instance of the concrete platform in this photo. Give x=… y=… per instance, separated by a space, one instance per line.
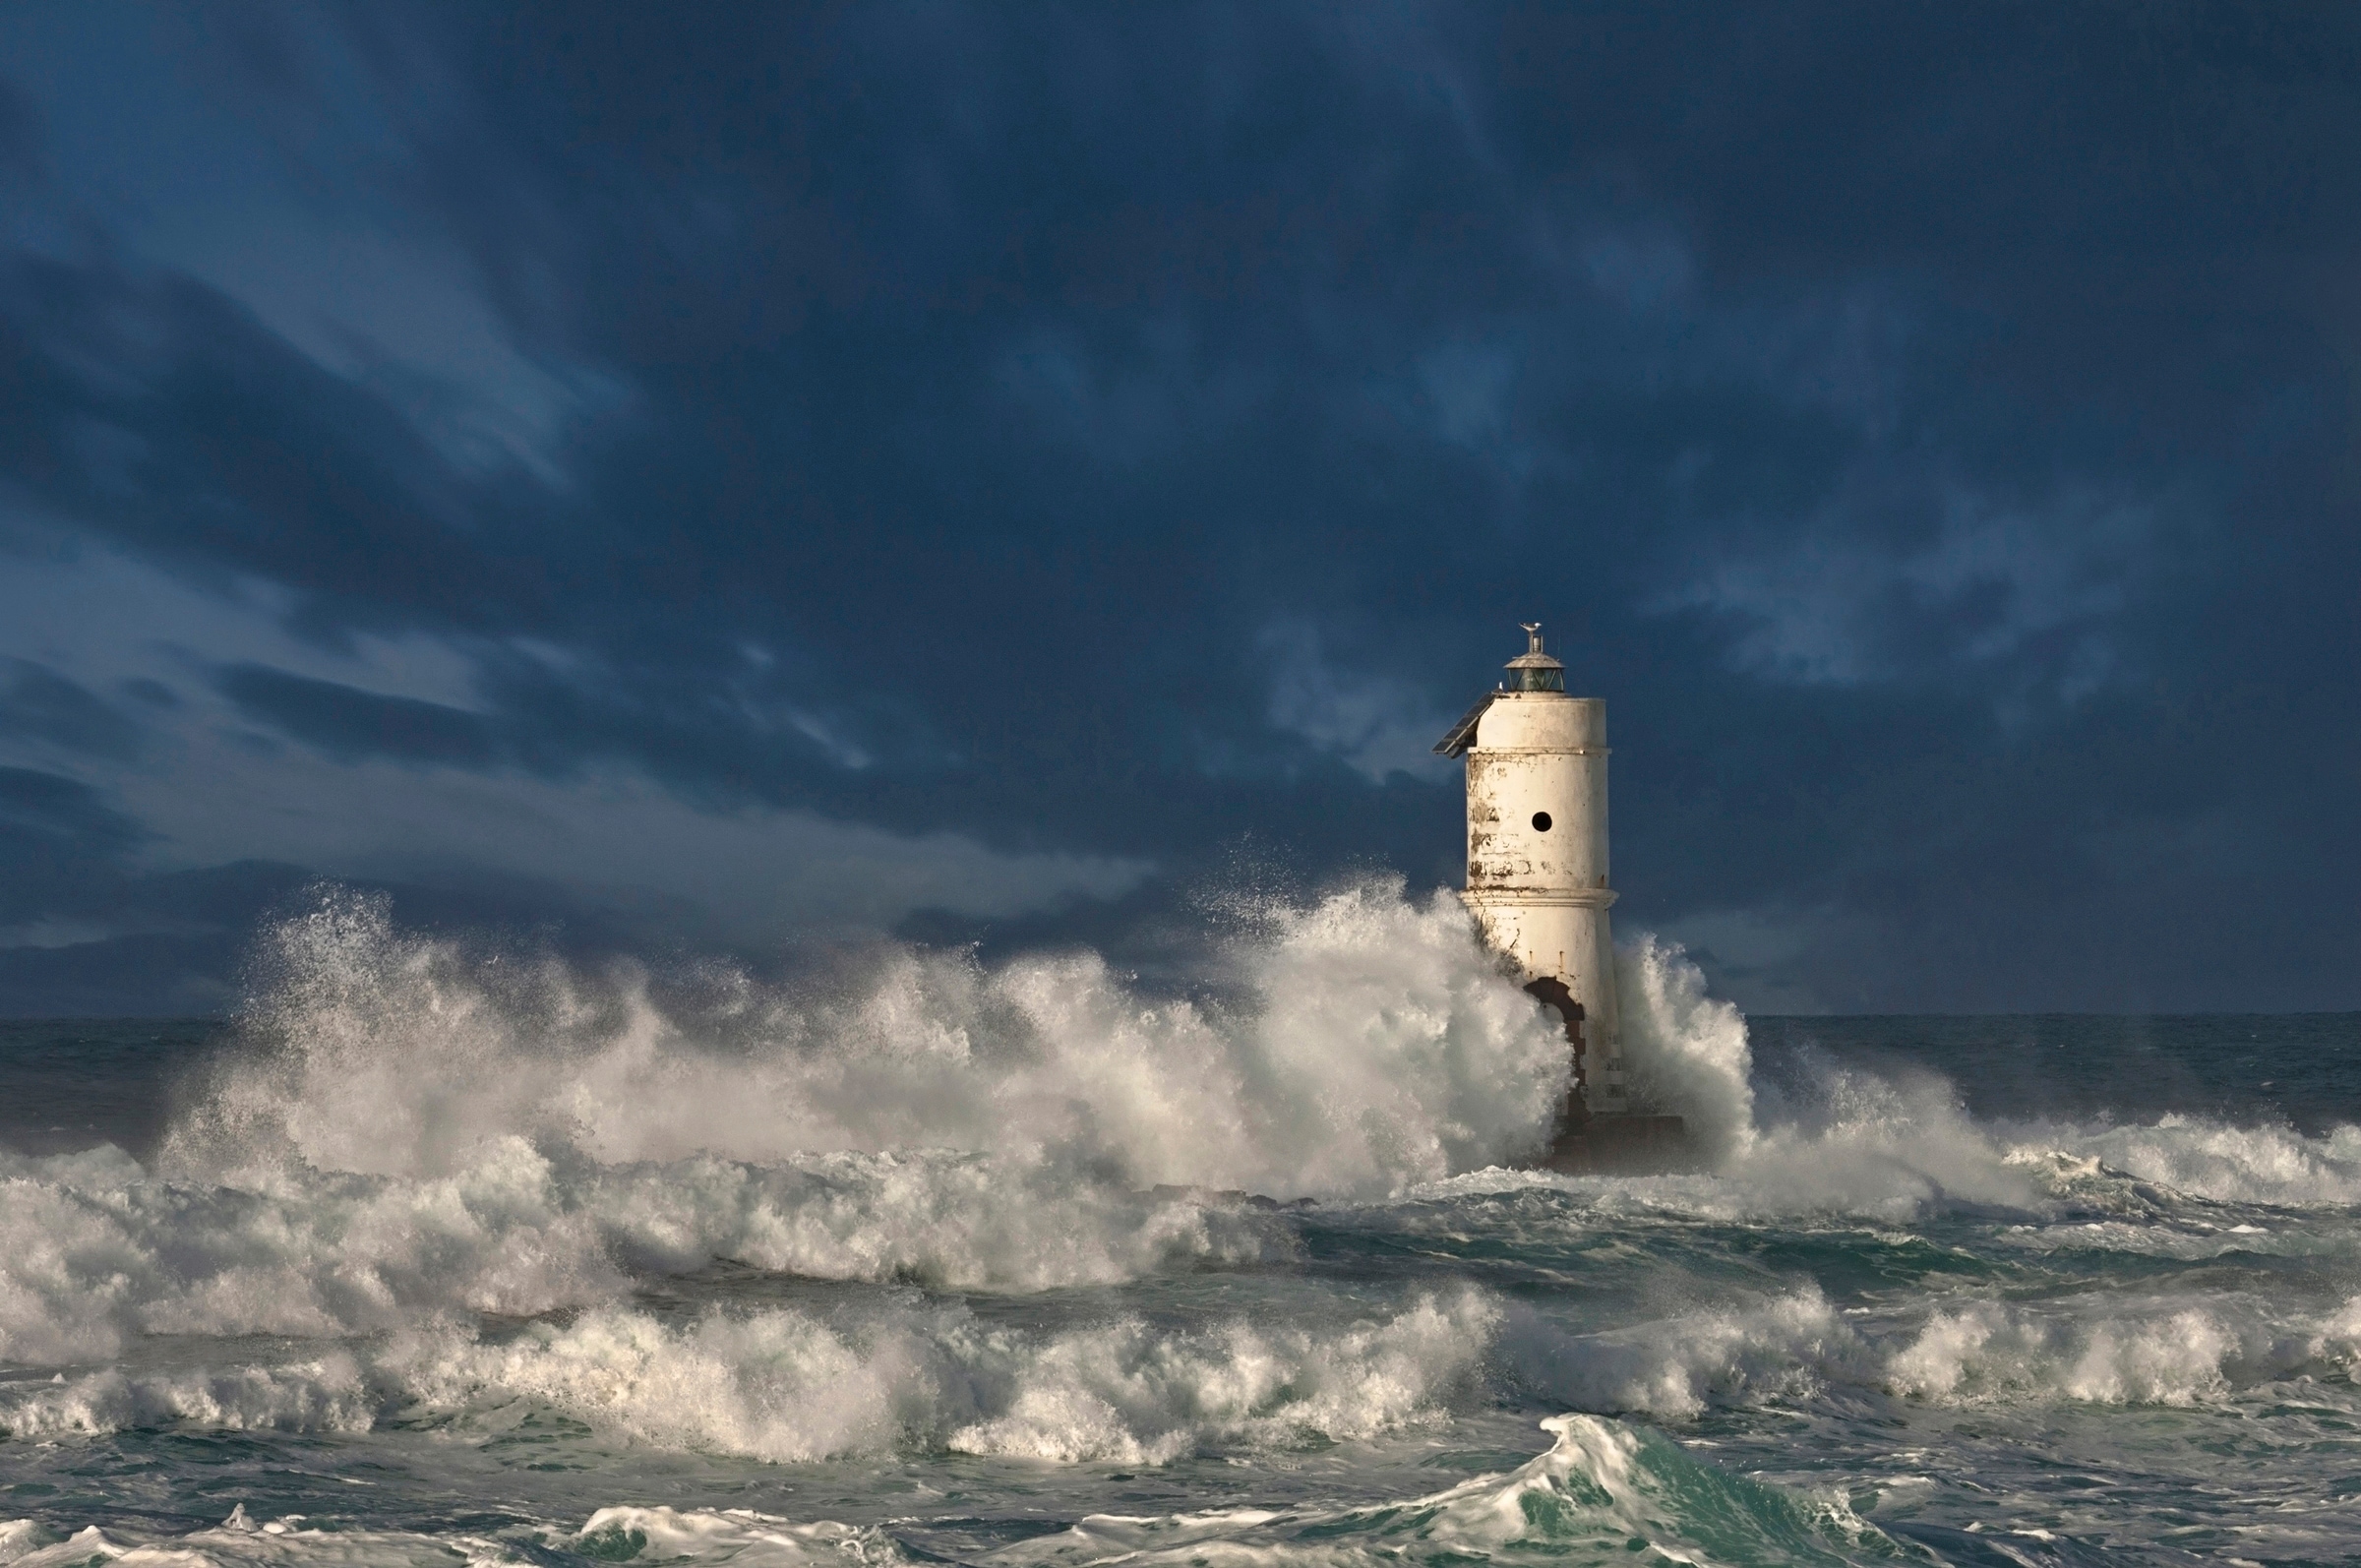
x=1621 y=1145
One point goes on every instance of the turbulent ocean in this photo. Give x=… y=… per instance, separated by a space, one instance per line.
x=445 y=1252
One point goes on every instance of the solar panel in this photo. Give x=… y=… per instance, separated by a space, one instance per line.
x=1463 y=734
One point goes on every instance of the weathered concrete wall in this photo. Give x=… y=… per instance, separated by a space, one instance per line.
x=1537 y=858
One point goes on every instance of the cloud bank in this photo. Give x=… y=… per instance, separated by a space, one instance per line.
x=936 y=470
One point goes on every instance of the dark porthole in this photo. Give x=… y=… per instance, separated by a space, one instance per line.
x=1540 y=822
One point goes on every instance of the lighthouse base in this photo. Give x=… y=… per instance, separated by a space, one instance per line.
x=1603 y=1142
x=1621 y=1145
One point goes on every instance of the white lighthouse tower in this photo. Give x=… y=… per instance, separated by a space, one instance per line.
x=1537 y=854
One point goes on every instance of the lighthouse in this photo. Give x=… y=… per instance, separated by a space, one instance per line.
x=1536 y=860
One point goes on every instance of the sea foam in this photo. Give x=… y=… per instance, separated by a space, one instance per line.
x=789 y=1384
x=422 y=1137
x=94 y=1252
x=1372 y=1043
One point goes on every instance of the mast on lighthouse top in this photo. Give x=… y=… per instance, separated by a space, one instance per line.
x=1532 y=670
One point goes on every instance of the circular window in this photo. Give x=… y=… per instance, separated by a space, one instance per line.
x=1540 y=822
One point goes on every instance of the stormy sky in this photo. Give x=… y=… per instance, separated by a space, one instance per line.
x=695 y=481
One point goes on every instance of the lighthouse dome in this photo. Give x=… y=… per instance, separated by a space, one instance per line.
x=1532 y=670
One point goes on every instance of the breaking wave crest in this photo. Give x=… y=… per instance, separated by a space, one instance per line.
x=1603 y=1492
x=96 y=1252
x=1372 y=1044
x=788 y=1384
x=415 y=1127
x=796 y=1384
x=1791 y=1347
x=442 y=1181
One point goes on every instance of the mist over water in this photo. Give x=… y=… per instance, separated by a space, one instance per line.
x=456 y=1251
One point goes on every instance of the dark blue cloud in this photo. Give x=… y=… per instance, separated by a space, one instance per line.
x=349 y=724
x=39 y=705
x=1121 y=434
x=59 y=820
